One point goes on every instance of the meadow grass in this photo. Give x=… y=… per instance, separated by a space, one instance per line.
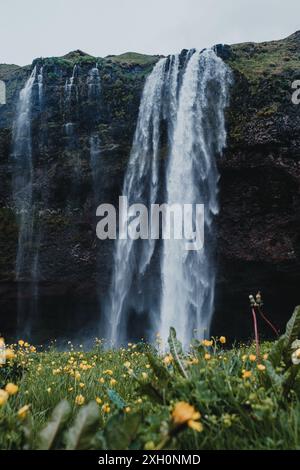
x=220 y=399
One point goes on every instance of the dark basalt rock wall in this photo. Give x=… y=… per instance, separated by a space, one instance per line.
x=258 y=225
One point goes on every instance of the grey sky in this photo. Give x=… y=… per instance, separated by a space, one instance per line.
x=35 y=28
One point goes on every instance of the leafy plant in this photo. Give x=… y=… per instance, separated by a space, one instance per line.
x=55 y=424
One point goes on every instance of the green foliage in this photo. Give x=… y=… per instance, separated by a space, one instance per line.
x=121 y=430
x=80 y=435
x=281 y=350
x=134 y=58
x=257 y=60
x=176 y=351
x=292 y=328
x=50 y=432
x=131 y=396
x=116 y=399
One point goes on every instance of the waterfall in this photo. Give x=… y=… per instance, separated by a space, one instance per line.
x=68 y=96
x=93 y=83
x=40 y=86
x=188 y=277
x=69 y=85
x=142 y=168
x=22 y=192
x=94 y=89
x=23 y=176
x=185 y=95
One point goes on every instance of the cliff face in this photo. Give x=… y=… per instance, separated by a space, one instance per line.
x=259 y=222
x=258 y=225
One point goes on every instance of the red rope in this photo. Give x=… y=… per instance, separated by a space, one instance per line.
x=268 y=322
x=256 y=333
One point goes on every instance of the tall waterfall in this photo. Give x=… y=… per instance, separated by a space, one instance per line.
x=23 y=176
x=27 y=258
x=94 y=89
x=140 y=185
x=189 y=276
x=185 y=96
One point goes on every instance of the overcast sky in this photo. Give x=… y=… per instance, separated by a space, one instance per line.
x=36 y=28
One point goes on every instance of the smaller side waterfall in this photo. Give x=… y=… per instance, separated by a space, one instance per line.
x=69 y=85
x=40 y=86
x=23 y=176
x=94 y=96
x=93 y=83
x=70 y=93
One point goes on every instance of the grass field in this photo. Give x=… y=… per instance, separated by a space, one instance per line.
x=138 y=397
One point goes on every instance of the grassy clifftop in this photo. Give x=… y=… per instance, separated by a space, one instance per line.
x=257 y=60
x=133 y=58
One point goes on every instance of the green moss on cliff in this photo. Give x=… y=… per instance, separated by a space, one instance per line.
x=133 y=58
x=257 y=60
x=7 y=69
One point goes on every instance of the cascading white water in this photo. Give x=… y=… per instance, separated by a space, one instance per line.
x=70 y=84
x=140 y=185
x=40 y=86
x=70 y=88
x=93 y=83
x=188 y=277
x=23 y=175
x=189 y=94
x=94 y=90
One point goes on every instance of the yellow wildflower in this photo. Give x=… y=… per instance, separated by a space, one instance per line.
x=195 y=425
x=144 y=375
x=108 y=372
x=21 y=342
x=168 y=359
x=184 y=413
x=106 y=408
x=11 y=388
x=127 y=409
x=3 y=397
x=207 y=357
x=261 y=367
x=9 y=354
x=127 y=364
x=296 y=357
x=247 y=374
x=222 y=339
x=79 y=400
x=252 y=357
x=112 y=382
x=265 y=356
x=207 y=342
x=101 y=380
x=98 y=400
x=23 y=412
